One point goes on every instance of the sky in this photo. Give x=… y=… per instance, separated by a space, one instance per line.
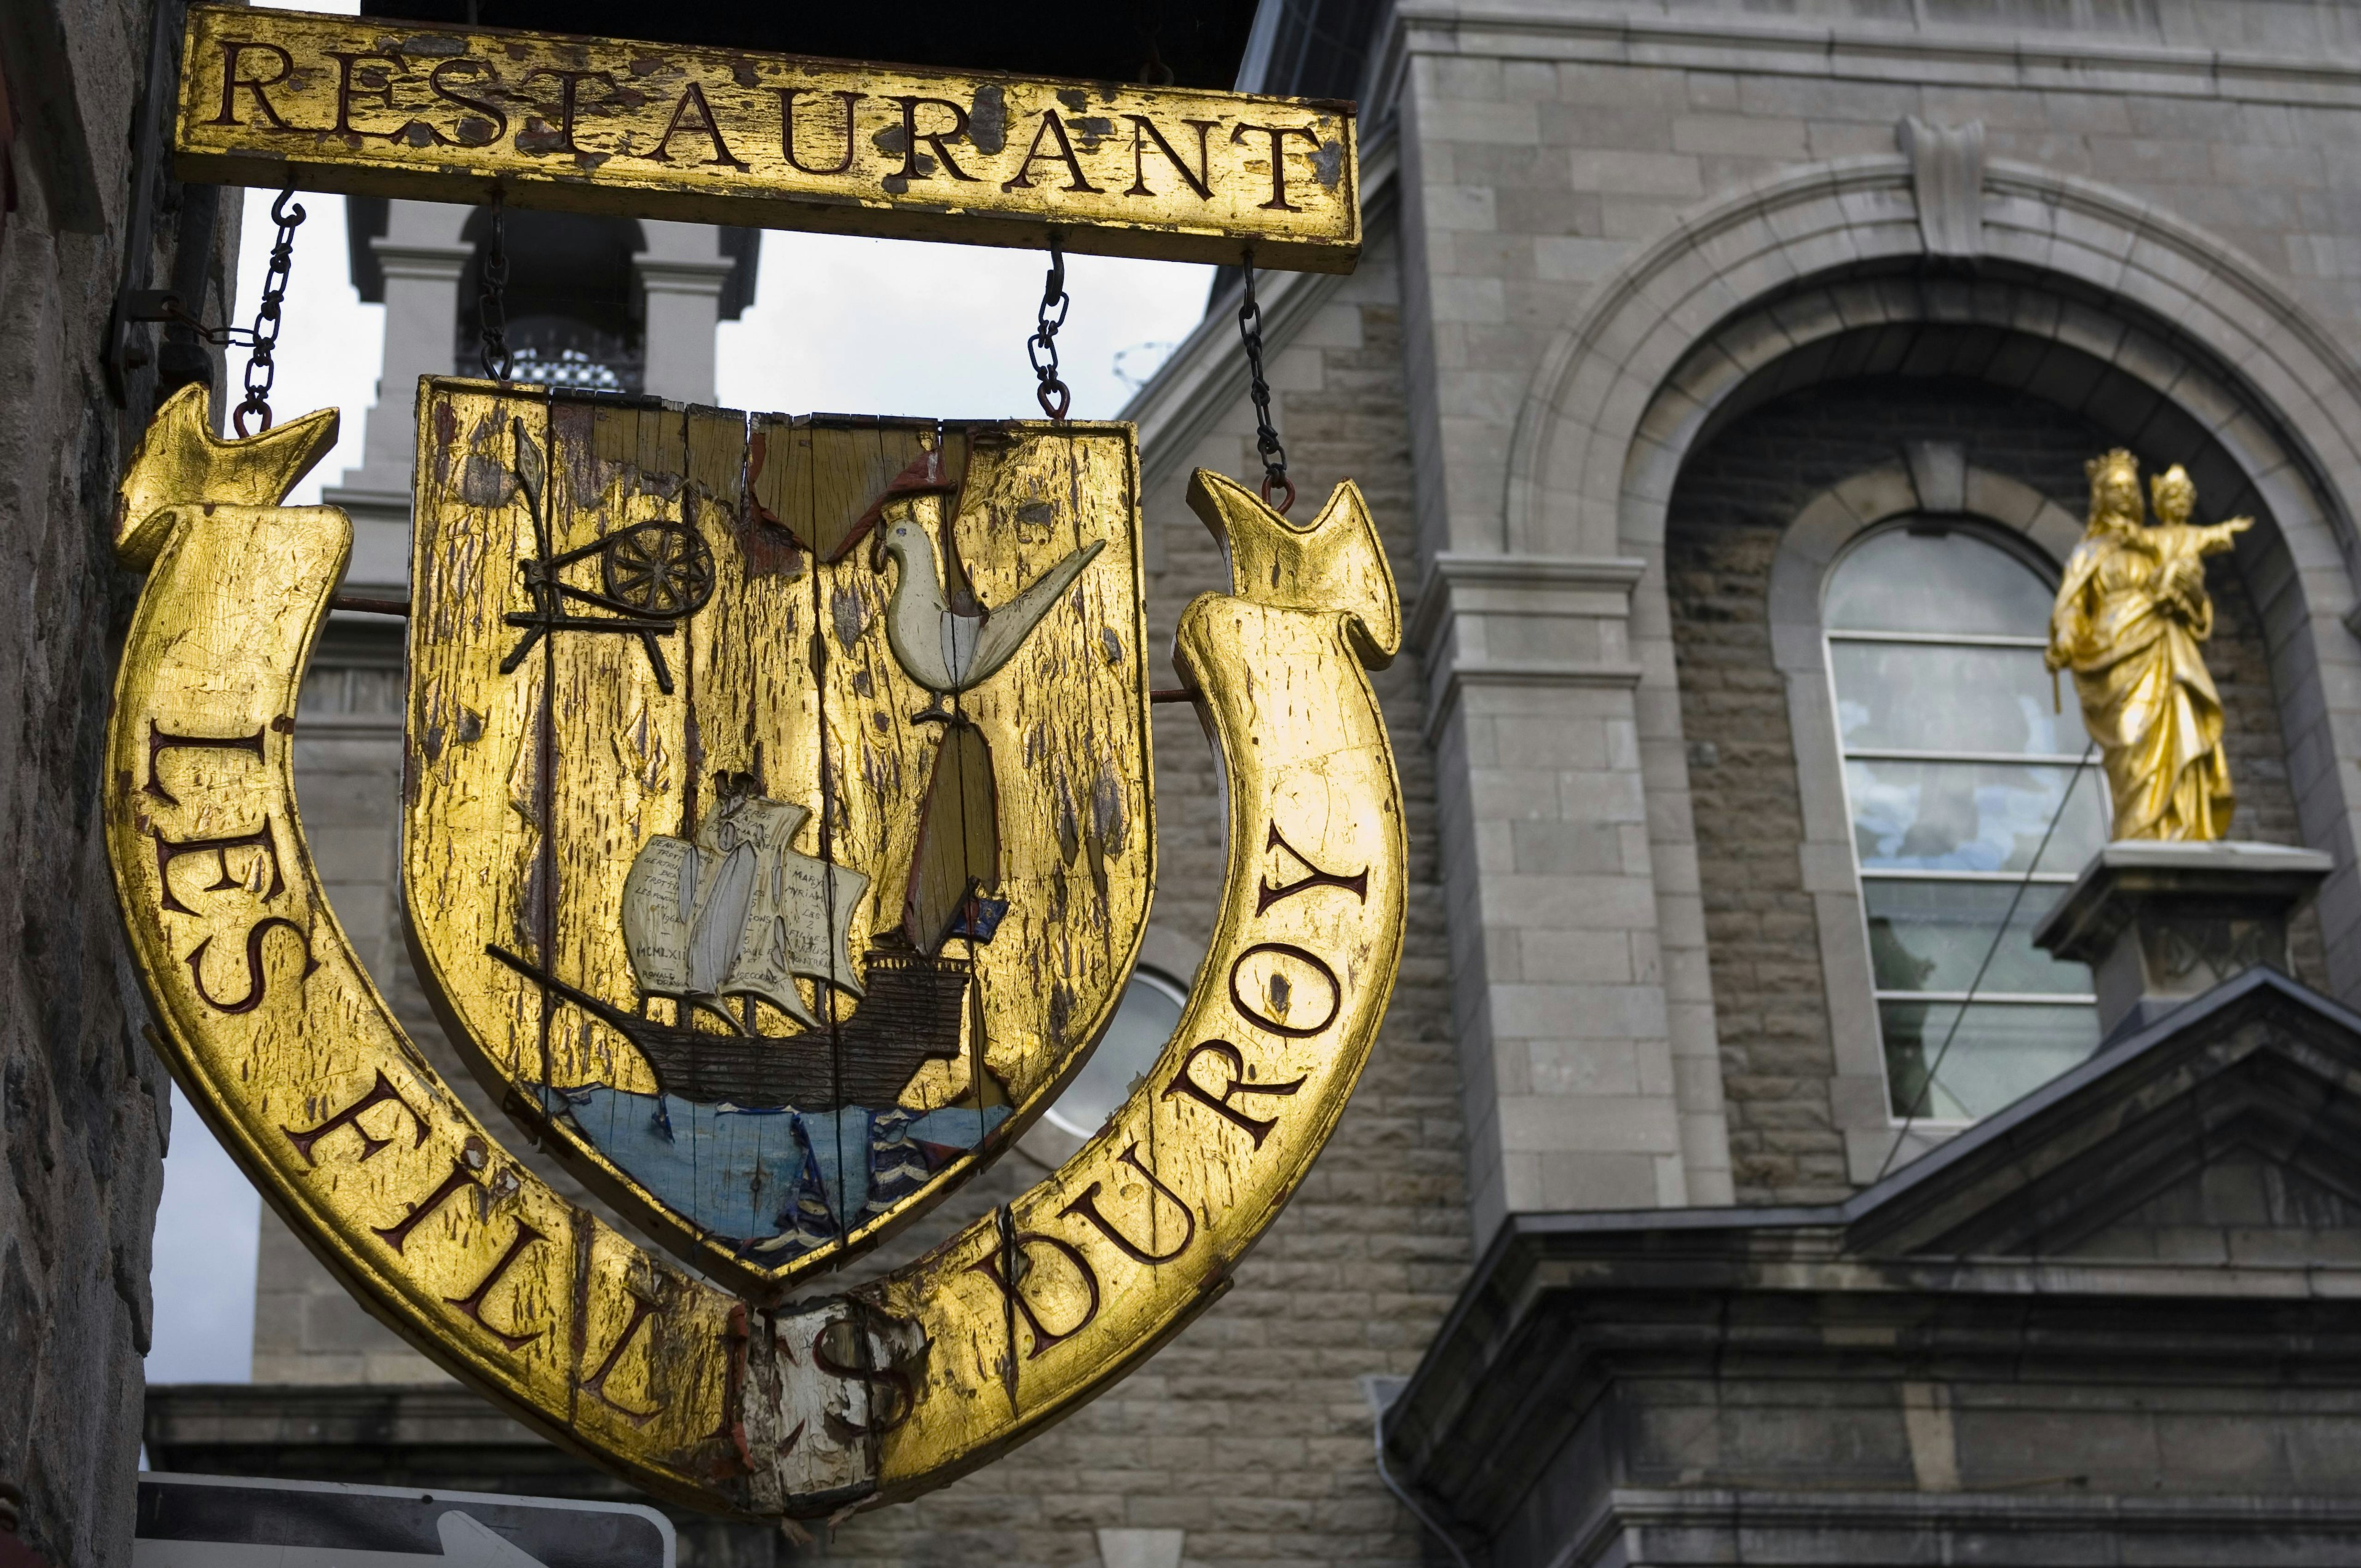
x=203 y=1275
x=838 y=326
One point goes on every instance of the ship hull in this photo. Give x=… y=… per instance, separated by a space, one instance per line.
x=908 y=1015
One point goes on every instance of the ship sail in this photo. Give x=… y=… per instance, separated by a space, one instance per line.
x=738 y=911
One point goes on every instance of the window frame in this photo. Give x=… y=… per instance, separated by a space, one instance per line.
x=1992 y=536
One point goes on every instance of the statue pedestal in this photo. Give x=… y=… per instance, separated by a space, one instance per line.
x=2160 y=924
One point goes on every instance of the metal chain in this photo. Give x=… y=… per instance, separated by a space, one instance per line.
x=259 y=369
x=1041 y=348
x=1274 y=455
x=491 y=297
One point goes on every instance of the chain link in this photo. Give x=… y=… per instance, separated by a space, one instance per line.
x=1274 y=455
x=492 y=297
x=1041 y=348
x=260 y=372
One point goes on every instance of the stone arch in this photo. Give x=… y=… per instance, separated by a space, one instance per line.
x=1786 y=272
x=1579 y=436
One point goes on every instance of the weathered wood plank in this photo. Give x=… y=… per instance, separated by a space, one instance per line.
x=617 y=738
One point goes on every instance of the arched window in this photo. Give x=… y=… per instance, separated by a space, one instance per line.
x=1956 y=765
x=1144 y=1020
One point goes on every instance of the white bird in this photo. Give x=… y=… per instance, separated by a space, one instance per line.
x=948 y=646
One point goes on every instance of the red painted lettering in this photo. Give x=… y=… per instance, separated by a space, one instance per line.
x=1087 y=1206
x=159 y=742
x=912 y=135
x=1009 y=1268
x=692 y=97
x=472 y=1303
x=1143 y=130
x=463 y=1175
x=569 y=91
x=1277 y=991
x=1278 y=134
x=1185 y=1082
x=787 y=96
x=258 y=979
x=1051 y=126
x=170 y=849
x=473 y=131
x=595 y=1384
x=382 y=88
x=232 y=48
x=1357 y=885
x=841 y=1349
x=380 y=1092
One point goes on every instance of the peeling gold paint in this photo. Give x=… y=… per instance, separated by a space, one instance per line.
x=727 y=137
x=286 y=1049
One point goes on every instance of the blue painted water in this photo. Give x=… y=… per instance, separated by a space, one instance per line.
x=773 y=1182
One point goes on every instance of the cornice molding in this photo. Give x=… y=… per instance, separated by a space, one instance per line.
x=1502 y=1383
x=1517 y=587
x=666 y=275
x=420 y=259
x=1532 y=585
x=2081 y=62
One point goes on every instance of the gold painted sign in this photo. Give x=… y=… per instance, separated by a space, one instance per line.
x=778 y=837
x=373 y=107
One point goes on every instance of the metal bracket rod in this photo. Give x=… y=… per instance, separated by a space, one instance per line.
x=156 y=100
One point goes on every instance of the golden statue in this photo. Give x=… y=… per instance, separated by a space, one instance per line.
x=2128 y=621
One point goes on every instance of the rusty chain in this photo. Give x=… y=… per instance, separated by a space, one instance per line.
x=492 y=297
x=260 y=368
x=1274 y=455
x=1041 y=348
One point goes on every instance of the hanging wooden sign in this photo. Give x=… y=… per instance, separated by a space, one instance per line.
x=779 y=829
x=610 y=126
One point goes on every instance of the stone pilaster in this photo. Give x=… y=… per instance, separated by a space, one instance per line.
x=424 y=257
x=1575 y=1098
x=681 y=275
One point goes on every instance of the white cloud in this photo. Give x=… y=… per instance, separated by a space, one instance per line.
x=890 y=327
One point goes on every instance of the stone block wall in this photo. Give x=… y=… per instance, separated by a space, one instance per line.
x=1735 y=499
x=83 y=1101
x=1591 y=189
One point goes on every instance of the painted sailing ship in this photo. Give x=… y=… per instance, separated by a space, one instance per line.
x=737 y=915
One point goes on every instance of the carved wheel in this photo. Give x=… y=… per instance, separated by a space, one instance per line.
x=662 y=569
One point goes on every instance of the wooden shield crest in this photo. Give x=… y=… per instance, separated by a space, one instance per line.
x=777 y=832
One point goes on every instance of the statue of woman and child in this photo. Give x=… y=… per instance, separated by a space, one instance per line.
x=2129 y=616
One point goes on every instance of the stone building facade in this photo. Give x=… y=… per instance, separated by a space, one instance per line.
x=1672 y=315
x=83 y=1103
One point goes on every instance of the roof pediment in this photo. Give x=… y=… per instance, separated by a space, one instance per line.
x=2260 y=1077
x=2198 y=1182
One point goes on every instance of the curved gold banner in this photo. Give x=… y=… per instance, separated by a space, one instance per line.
x=868 y=1396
